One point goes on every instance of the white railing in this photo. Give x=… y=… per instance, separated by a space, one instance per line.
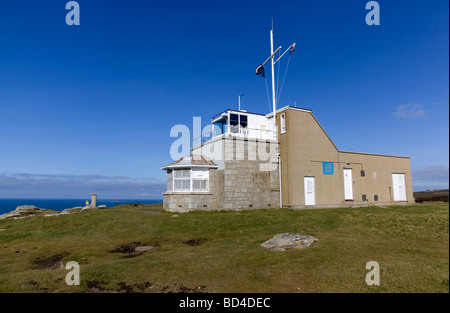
x=236 y=131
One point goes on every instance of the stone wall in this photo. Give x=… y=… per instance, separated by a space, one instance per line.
x=250 y=175
x=189 y=201
x=249 y=180
x=186 y=201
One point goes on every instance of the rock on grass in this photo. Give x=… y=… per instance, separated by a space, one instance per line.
x=286 y=241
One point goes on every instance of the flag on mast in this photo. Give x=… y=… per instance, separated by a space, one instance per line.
x=260 y=71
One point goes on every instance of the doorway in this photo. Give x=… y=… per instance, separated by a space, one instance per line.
x=348 y=184
x=398 y=187
x=310 y=194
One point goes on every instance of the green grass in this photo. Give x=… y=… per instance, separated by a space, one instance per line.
x=411 y=244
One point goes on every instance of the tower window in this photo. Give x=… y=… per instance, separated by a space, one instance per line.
x=282 y=123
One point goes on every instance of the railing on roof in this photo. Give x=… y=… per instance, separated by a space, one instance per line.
x=235 y=131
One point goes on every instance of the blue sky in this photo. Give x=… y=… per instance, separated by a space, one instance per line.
x=91 y=106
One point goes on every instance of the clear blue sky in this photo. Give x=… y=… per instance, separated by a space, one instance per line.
x=89 y=108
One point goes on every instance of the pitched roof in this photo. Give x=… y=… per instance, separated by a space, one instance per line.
x=193 y=160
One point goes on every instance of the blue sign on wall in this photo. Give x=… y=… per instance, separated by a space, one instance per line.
x=327 y=168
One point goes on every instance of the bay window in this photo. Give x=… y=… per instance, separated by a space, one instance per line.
x=188 y=180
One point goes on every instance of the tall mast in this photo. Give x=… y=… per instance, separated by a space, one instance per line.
x=273 y=83
x=275 y=112
x=261 y=72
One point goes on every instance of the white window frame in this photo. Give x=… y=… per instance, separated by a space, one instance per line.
x=202 y=175
x=169 y=180
x=282 y=123
x=181 y=179
x=193 y=176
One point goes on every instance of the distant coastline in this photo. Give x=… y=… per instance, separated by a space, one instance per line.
x=8 y=205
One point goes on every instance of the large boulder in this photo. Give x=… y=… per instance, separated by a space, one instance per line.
x=22 y=212
x=286 y=241
x=27 y=209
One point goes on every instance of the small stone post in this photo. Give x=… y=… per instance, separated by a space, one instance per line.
x=93 y=200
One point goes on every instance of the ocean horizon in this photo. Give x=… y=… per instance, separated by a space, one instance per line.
x=8 y=205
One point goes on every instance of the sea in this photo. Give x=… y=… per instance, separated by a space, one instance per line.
x=8 y=205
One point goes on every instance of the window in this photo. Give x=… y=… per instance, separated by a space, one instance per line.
x=199 y=185
x=182 y=180
x=200 y=178
x=238 y=119
x=282 y=123
x=234 y=119
x=187 y=179
x=220 y=126
x=243 y=120
x=169 y=180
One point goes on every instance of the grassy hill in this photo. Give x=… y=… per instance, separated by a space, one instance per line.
x=431 y=195
x=221 y=252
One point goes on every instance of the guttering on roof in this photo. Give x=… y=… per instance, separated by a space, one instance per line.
x=191 y=161
x=187 y=166
x=290 y=108
x=376 y=154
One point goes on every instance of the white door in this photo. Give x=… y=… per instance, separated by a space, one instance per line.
x=348 y=184
x=310 y=197
x=398 y=187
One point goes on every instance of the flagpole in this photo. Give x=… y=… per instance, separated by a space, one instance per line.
x=261 y=72
x=273 y=82
x=275 y=113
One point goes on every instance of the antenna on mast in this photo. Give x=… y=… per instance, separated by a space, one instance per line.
x=239 y=98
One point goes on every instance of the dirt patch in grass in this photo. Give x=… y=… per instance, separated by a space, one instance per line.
x=125 y=248
x=134 y=249
x=96 y=287
x=180 y=288
x=134 y=288
x=123 y=287
x=30 y=285
x=50 y=263
x=194 y=242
